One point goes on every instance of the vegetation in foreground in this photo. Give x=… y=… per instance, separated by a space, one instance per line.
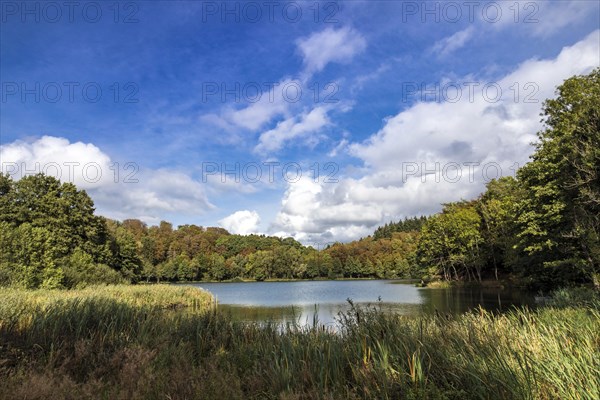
x=105 y=343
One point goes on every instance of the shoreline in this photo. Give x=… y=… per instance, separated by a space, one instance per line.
x=406 y=280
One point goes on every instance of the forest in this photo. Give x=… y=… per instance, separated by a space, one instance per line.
x=540 y=228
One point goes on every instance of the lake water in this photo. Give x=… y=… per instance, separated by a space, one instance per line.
x=304 y=300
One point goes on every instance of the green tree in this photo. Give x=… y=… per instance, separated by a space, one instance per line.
x=450 y=243
x=184 y=267
x=216 y=269
x=259 y=264
x=559 y=217
x=497 y=207
x=80 y=270
x=125 y=251
x=29 y=256
x=46 y=222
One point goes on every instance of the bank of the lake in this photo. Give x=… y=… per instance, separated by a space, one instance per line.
x=316 y=279
x=79 y=345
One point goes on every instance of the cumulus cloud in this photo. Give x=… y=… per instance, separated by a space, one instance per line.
x=310 y=214
x=434 y=152
x=330 y=45
x=119 y=190
x=242 y=222
x=484 y=125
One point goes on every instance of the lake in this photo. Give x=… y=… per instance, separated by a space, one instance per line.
x=304 y=300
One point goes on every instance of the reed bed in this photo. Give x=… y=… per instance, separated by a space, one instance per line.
x=125 y=343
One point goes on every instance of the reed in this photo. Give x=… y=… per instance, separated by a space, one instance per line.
x=157 y=342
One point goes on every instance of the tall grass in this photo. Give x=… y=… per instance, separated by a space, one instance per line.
x=161 y=296
x=100 y=344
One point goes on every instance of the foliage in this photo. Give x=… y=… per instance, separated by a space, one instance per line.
x=50 y=237
x=406 y=225
x=450 y=243
x=80 y=270
x=575 y=297
x=559 y=218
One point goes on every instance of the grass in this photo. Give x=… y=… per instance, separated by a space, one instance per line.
x=486 y=283
x=128 y=342
x=154 y=296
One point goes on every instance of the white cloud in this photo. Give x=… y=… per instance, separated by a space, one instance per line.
x=274 y=102
x=310 y=213
x=292 y=128
x=283 y=99
x=412 y=162
x=476 y=128
x=80 y=163
x=340 y=147
x=119 y=190
x=330 y=45
x=361 y=80
x=544 y=18
x=539 y=19
x=452 y=43
x=242 y=222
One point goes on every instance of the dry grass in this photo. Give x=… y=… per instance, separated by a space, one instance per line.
x=121 y=343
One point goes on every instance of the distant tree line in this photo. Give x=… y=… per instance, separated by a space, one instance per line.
x=50 y=237
x=541 y=227
x=413 y=224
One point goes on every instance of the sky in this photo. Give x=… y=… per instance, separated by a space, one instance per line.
x=315 y=120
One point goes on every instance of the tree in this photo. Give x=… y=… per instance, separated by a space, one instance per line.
x=258 y=265
x=184 y=268
x=161 y=237
x=497 y=207
x=216 y=269
x=29 y=255
x=559 y=217
x=450 y=243
x=80 y=270
x=47 y=222
x=413 y=224
x=125 y=251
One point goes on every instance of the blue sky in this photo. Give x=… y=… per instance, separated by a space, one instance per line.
x=178 y=103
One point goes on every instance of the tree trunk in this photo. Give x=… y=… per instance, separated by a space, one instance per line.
x=495 y=264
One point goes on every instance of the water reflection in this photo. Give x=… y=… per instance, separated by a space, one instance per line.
x=321 y=314
x=306 y=302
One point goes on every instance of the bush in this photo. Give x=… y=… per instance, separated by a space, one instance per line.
x=575 y=297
